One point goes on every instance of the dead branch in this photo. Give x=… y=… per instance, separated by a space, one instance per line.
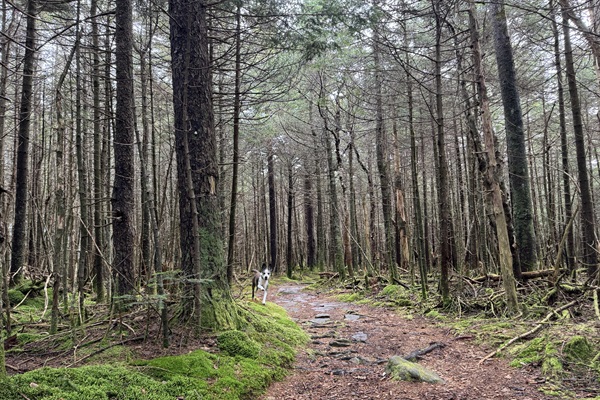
x=415 y=355
x=104 y=349
x=533 y=331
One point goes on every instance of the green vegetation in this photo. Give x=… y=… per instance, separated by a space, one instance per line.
x=248 y=361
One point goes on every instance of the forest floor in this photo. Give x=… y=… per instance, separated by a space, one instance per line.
x=351 y=343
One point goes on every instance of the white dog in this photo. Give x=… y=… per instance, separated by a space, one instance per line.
x=261 y=281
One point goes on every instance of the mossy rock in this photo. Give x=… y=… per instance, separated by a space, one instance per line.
x=578 y=349
x=401 y=369
x=238 y=343
x=397 y=295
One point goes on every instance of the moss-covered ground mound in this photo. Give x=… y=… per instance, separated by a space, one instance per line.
x=242 y=365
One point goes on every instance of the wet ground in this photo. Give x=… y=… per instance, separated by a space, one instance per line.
x=351 y=344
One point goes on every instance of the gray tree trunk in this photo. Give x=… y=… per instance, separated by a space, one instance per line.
x=590 y=255
x=515 y=139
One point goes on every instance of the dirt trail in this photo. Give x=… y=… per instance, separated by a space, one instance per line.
x=351 y=344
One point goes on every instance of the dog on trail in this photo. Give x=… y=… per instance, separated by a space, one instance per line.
x=261 y=281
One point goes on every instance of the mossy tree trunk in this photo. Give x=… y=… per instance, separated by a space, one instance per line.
x=197 y=159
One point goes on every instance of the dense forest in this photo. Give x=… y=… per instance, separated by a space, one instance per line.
x=156 y=152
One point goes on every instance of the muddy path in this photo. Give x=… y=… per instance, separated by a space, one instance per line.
x=350 y=345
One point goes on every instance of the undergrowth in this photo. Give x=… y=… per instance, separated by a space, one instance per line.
x=566 y=349
x=244 y=364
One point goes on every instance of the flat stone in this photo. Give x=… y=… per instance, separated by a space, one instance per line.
x=359 y=337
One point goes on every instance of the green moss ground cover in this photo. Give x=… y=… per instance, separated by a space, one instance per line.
x=246 y=362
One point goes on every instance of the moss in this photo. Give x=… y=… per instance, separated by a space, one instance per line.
x=350 y=297
x=435 y=314
x=15 y=297
x=540 y=351
x=261 y=354
x=578 y=349
x=397 y=295
x=237 y=343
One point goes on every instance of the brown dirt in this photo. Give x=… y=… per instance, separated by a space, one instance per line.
x=323 y=371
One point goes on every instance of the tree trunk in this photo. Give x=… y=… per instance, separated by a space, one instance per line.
x=236 y=140
x=123 y=199
x=195 y=134
x=589 y=256
x=382 y=157
x=19 y=240
x=98 y=179
x=309 y=215
x=517 y=156
x=489 y=166
x=272 y=210
x=443 y=189
x=84 y=233
x=290 y=210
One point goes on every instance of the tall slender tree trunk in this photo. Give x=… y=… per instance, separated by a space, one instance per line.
x=517 y=155
x=382 y=156
x=98 y=179
x=123 y=199
x=290 y=211
x=309 y=217
x=590 y=244
x=236 y=141
x=272 y=209
x=564 y=148
x=443 y=184
x=84 y=233
x=19 y=239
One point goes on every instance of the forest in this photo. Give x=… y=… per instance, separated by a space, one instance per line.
x=156 y=153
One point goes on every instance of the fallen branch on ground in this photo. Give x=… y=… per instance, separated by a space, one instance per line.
x=419 y=353
x=533 y=331
x=105 y=348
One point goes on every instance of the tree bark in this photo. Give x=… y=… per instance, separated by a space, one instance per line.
x=517 y=157
x=489 y=165
x=98 y=179
x=290 y=211
x=564 y=148
x=382 y=156
x=123 y=199
x=589 y=257
x=236 y=140
x=19 y=239
x=272 y=210
x=443 y=189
